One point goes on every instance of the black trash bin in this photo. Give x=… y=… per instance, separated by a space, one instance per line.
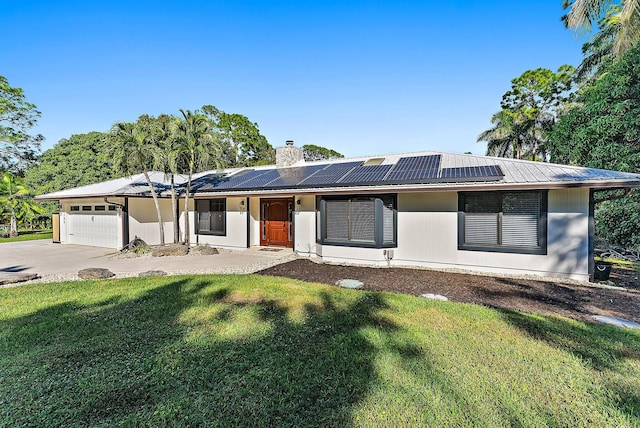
x=602 y=271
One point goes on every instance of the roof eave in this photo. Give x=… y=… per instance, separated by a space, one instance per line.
x=599 y=185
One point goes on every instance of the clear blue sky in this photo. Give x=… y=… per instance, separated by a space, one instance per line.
x=361 y=77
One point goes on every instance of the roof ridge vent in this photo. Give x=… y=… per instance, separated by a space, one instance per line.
x=374 y=161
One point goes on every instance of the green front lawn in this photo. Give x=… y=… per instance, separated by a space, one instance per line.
x=29 y=236
x=228 y=350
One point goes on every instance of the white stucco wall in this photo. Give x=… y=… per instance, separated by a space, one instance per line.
x=254 y=226
x=236 y=222
x=304 y=237
x=143 y=220
x=428 y=236
x=427 y=233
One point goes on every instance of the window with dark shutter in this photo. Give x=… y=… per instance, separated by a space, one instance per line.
x=363 y=221
x=211 y=216
x=337 y=220
x=388 y=221
x=503 y=221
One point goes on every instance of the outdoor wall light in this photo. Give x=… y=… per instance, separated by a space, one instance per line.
x=298 y=202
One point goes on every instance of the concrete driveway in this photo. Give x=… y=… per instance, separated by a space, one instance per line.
x=61 y=262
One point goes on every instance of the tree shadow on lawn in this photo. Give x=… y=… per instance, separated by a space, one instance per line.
x=602 y=347
x=134 y=361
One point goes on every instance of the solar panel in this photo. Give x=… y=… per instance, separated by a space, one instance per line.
x=258 y=181
x=206 y=182
x=408 y=170
x=329 y=175
x=236 y=179
x=366 y=174
x=289 y=177
x=472 y=173
x=415 y=168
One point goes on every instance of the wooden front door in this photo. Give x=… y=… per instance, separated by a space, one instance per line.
x=276 y=222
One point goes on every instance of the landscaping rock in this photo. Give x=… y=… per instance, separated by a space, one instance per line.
x=95 y=273
x=170 y=250
x=153 y=273
x=13 y=278
x=204 y=250
x=434 y=297
x=349 y=283
x=618 y=322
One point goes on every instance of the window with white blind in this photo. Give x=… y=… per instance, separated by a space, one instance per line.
x=514 y=222
x=211 y=218
x=360 y=221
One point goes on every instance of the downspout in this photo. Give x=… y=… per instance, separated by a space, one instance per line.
x=248 y=214
x=125 y=219
x=293 y=223
x=591 y=233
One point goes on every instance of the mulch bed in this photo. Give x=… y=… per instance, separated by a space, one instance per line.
x=543 y=297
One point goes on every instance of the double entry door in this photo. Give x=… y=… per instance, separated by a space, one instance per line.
x=276 y=222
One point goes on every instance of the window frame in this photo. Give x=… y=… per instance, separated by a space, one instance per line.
x=223 y=202
x=541 y=249
x=379 y=203
x=74 y=208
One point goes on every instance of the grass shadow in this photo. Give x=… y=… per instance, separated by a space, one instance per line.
x=600 y=346
x=134 y=361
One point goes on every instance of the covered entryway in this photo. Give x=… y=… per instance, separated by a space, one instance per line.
x=276 y=222
x=97 y=229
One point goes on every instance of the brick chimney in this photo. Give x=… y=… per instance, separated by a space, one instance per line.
x=288 y=154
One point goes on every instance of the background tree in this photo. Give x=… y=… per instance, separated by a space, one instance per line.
x=529 y=109
x=197 y=147
x=602 y=130
x=241 y=141
x=17 y=116
x=136 y=151
x=506 y=138
x=16 y=200
x=77 y=161
x=316 y=153
x=584 y=13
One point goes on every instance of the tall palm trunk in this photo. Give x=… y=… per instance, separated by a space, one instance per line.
x=14 y=220
x=174 y=211
x=157 y=204
x=14 y=223
x=187 y=230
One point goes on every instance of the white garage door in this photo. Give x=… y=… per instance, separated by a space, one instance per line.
x=96 y=230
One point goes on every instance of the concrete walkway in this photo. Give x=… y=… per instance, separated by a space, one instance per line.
x=55 y=262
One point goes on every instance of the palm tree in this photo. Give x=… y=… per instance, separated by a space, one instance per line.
x=598 y=51
x=584 y=13
x=14 y=196
x=163 y=131
x=198 y=147
x=137 y=152
x=505 y=138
